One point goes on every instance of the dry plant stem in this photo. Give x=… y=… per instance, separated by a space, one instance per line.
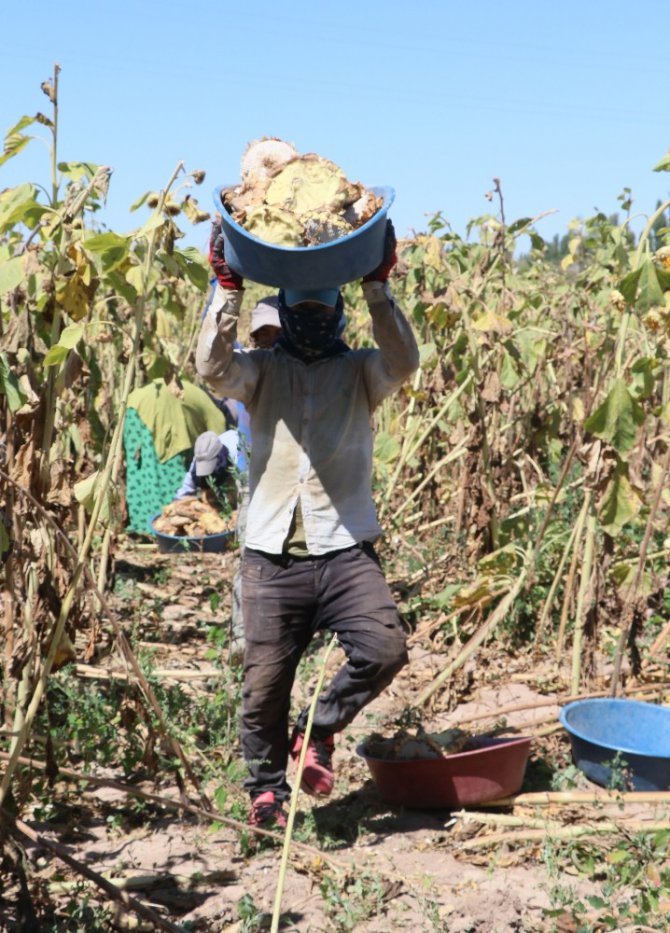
x=50 y=402
x=585 y=588
x=123 y=643
x=488 y=479
x=567 y=594
x=158 y=879
x=82 y=558
x=276 y=912
x=631 y=592
x=480 y=636
x=559 y=486
x=506 y=819
x=555 y=583
x=408 y=452
x=565 y=832
x=8 y=595
x=660 y=640
x=454 y=454
x=20 y=829
x=411 y=427
x=484 y=601
x=176 y=674
x=572 y=797
x=23 y=690
x=107 y=539
x=557 y=701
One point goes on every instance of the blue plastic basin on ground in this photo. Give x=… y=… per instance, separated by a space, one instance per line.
x=301 y=267
x=618 y=735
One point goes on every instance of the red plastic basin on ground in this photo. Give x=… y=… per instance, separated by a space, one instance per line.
x=495 y=768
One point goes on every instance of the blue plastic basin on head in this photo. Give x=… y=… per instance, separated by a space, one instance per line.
x=328 y=265
x=612 y=735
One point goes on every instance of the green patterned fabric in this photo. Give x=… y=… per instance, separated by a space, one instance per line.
x=150 y=484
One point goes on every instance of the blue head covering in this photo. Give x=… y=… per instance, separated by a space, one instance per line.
x=323 y=296
x=312 y=335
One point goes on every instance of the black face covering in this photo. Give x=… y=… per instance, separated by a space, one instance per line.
x=311 y=335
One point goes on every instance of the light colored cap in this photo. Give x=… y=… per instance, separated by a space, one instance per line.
x=206 y=449
x=265 y=313
x=322 y=296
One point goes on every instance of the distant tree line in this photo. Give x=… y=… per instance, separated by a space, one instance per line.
x=557 y=248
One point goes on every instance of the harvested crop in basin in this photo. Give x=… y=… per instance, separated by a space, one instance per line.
x=191 y=517
x=403 y=746
x=296 y=200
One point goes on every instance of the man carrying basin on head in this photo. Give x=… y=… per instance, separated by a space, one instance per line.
x=309 y=562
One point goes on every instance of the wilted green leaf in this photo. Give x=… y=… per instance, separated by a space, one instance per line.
x=481 y=590
x=11 y=274
x=510 y=376
x=502 y=561
x=427 y=352
x=620 y=503
x=122 y=287
x=21 y=125
x=617 y=419
x=15 y=140
x=71 y=335
x=111 y=247
x=623 y=575
x=518 y=225
x=628 y=286
x=617 y=855
x=86 y=492
x=136 y=278
x=663 y=165
x=532 y=347
x=155 y=222
x=193 y=265
x=491 y=322
x=76 y=170
x=650 y=293
x=387 y=448
x=444 y=598
x=220 y=798
x=9 y=385
x=140 y=201
x=16 y=203
x=56 y=355
x=644 y=377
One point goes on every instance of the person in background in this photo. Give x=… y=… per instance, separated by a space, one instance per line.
x=264 y=332
x=309 y=560
x=213 y=468
x=162 y=422
x=265 y=328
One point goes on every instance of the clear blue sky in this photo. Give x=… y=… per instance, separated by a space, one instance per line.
x=566 y=103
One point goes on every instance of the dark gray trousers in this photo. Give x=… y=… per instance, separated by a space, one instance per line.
x=285 y=601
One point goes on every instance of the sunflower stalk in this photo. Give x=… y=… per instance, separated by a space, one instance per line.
x=58 y=628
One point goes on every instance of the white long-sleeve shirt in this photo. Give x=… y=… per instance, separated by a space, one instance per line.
x=310 y=423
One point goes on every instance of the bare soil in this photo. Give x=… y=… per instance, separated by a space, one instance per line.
x=357 y=863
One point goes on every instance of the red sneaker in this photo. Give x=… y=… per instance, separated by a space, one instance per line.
x=317 y=775
x=267 y=812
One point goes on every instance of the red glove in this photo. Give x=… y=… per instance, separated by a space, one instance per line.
x=389 y=259
x=224 y=274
